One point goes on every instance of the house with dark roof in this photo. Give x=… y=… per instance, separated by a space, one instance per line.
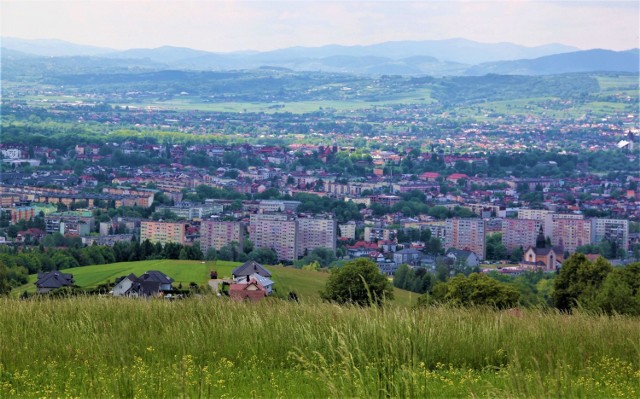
x=150 y=284
x=249 y=268
x=53 y=280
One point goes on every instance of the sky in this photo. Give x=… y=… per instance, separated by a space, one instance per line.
x=225 y=25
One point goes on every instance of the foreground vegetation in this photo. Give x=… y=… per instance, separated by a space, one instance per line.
x=98 y=347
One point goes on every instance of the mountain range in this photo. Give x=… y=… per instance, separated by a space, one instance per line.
x=429 y=57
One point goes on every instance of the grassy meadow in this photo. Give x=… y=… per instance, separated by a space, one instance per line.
x=212 y=347
x=306 y=283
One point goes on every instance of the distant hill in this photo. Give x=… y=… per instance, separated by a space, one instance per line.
x=579 y=61
x=164 y=54
x=452 y=57
x=52 y=47
x=454 y=50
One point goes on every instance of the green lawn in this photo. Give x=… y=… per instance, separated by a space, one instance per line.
x=182 y=271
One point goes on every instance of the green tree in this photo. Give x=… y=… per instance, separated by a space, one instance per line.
x=400 y=277
x=358 y=282
x=620 y=291
x=475 y=290
x=579 y=281
x=265 y=256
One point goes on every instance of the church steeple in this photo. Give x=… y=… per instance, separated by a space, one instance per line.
x=540 y=241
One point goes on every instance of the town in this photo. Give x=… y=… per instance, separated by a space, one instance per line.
x=399 y=203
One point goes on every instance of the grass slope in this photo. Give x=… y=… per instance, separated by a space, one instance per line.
x=305 y=283
x=212 y=347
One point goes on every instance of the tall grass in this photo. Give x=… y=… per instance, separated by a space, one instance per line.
x=209 y=346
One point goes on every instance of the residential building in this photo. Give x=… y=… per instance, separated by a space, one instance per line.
x=249 y=268
x=407 y=256
x=614 y=230
x=533 y=214
x=568 y=230
x=316 y=232
x=348 y=230
x=466 y=234
x=150 y=284
x=71 y=222
x=190 y=211
x=109 y=240
x=463 y=258
x=162 y=232
x=22 y=213
x=372 y=234
x=278 y=205
x=520 y=233
x=276 y=231
x=52 y=280
x=217 y=234
x=247 y=291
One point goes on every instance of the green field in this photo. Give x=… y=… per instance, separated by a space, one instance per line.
x=305 y=283
x=213 y=347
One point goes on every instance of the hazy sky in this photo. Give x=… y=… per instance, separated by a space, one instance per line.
x=263 y=25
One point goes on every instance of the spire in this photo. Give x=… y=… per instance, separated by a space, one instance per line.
x=540 y=241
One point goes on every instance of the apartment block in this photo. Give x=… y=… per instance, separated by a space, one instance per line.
x=373 y=234
x=533 y=214
x=276 y=231
x=190 y=211
x=466 y=234
x=22 y=213
x=162 y=232
x=568 y=230
x=518 y=233
x=616 y=230
x=217 y=234
x=70 y=222
x=348 y=230
x=316 y=233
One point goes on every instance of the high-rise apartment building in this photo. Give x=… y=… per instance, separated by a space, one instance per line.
x=348 y=230
x=217 y=234
x=518 y=233
x=466 y=234
x=568 y=230
x=615 y=230
x=162 y=232
x=316 y=233
x=276 y=231
x=533 y=214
